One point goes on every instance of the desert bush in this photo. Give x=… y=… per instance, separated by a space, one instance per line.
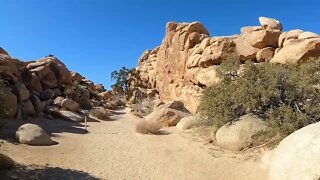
x=286 y=96
x=77 y=93
x=148 y=127
x=100 y=113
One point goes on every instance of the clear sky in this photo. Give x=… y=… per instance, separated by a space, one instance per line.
x=95 y=37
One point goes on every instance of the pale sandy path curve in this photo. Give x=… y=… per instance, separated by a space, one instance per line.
x=112 y=150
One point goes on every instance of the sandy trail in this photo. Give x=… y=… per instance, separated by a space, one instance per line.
x=112 y=150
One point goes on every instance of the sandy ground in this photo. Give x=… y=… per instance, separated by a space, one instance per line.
x=112 y=150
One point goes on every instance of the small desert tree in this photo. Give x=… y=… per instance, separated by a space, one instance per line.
x=125 y=81
x=286 y=96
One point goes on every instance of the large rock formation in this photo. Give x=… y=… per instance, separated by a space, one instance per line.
x=187 y=59
x=32 y=87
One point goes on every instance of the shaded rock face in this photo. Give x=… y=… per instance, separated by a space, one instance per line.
x=187 y=60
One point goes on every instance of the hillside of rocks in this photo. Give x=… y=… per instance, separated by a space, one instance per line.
x=187 y=59
x=46 y=88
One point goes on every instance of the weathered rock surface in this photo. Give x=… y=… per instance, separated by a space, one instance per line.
x=32 y=134
x=68 y=115
x=70 y=105
x=238 y=135
x=265 y=53
x=298 y=51
x=166 y=116
x=297 y=156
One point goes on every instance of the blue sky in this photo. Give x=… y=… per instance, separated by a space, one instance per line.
x=95 y=37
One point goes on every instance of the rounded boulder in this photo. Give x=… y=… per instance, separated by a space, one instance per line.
x=34 y=135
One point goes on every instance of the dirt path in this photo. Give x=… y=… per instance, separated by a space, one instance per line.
x=112 y=150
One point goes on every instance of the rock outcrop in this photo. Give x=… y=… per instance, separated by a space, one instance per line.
x=32 y=87
x=187 y=59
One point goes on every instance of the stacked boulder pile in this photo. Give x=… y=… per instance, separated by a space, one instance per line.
x=187 y=59
x=46 y=88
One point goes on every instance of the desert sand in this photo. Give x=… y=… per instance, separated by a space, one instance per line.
x=113 y=150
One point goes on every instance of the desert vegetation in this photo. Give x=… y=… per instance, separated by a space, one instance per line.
x=125 y=79
x=148 y=127
x=100 y=113
x=285 y=96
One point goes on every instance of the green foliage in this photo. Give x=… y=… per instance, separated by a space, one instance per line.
x=78 y=94
x=286 y=96
x=125 y=81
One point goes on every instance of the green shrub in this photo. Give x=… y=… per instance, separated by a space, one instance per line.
x=286 y=96
x=77 y=93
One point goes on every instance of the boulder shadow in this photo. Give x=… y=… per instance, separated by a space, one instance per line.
x=52 y=126
x=162 y=132
x=113 y=112
x=20 y=172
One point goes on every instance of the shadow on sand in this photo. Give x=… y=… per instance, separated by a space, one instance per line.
x=20 y=172
x=52 y=126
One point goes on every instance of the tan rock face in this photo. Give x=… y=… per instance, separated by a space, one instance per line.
x=293 y=34
x=166 y=116
x=62 y=74
x=299 y=50
x=265 y=53
x=172 y=57
x=308 y=35
x=216 y=52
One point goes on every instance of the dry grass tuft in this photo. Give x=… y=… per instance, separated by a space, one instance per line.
x=100 y=113
x=148 y=127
